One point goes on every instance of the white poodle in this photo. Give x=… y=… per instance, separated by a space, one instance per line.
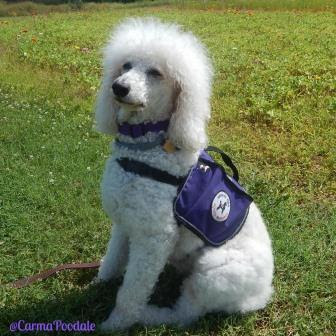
x=155 y=72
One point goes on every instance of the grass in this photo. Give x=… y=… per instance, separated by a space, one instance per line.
x=267 y=5
x=274 y=111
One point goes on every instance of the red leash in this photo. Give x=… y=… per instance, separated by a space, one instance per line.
x=45 y=274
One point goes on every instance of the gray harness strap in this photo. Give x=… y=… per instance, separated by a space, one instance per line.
x=142 y=146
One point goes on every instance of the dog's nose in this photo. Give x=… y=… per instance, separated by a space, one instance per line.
x=120 y=90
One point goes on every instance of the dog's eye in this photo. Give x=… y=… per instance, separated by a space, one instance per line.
x=154 y=72
x=127 y=66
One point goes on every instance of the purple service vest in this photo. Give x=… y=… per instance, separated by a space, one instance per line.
x=210 y=203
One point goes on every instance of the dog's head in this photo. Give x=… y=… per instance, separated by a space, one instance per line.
x=143 y=90
x=155 y=71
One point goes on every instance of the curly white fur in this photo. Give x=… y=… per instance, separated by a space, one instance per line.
x=235 y=277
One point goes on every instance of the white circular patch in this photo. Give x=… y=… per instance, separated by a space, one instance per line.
x=221 y=207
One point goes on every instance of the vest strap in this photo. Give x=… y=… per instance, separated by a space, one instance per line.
x=226 y=159
x=144 y=170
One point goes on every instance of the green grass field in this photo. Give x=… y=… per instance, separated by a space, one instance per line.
x=274 y=112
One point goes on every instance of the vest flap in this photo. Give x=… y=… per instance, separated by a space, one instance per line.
x=211 y=204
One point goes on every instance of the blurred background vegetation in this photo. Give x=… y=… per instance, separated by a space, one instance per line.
x=35 y=7
x=56 y=2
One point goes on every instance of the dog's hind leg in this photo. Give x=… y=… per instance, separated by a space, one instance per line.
x=147 y=259
x=182 y=314
x=222 y=281
x=114 y=262
x=186 y=310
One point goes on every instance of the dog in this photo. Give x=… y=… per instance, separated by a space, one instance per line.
x=157 y=83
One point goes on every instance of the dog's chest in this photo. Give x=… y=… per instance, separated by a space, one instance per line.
x=135 y=202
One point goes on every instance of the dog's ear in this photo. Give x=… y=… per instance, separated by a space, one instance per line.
x=187 y=127
x=106 y=107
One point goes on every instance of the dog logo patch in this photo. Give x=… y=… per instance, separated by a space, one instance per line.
x=221 y=207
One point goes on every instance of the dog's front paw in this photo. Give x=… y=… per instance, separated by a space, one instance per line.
x=117 y=321
x=104 y=275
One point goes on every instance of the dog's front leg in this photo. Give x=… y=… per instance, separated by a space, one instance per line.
x=147 y=259
x=114 y=262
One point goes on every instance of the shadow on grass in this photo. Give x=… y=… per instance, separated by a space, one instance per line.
x=95 y=302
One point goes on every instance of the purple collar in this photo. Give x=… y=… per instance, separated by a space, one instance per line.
x=138 y=130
